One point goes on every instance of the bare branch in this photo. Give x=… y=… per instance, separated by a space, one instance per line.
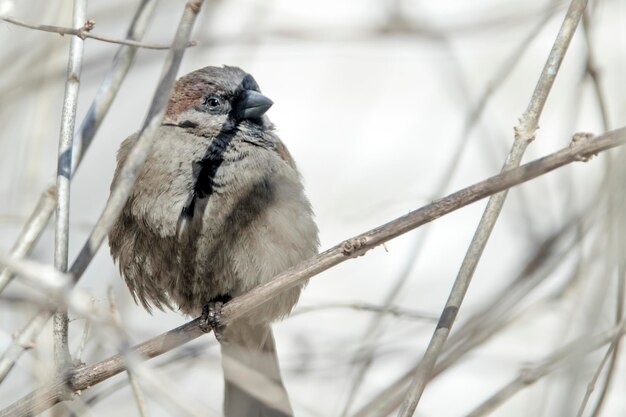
x=84 y=32
x=592 y=384
x=524 y=134
x=84 y=378
x=64 y=169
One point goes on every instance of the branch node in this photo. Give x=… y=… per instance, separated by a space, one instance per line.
x=521 y=133
x=88 y=26
x=26 y=345
x=527 y=376
x=581 y=138
x=195 y=6
x=352 y=247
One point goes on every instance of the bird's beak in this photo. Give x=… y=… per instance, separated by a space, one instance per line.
x=252 y=105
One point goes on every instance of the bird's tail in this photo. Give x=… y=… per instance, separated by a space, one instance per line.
x=253 y=385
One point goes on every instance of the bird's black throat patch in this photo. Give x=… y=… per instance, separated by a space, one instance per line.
x=205 y=170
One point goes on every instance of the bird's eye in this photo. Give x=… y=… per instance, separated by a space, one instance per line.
x=212 y=101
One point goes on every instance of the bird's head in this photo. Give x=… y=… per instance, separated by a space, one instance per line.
x=216 y=98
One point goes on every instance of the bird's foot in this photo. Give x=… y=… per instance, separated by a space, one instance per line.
x=211 y=318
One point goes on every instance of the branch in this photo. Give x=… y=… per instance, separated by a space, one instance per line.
x=84 y=32
x=524 y=134
x=84 y=378
x=64 y=169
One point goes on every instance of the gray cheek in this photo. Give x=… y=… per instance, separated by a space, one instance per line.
x=204 y=124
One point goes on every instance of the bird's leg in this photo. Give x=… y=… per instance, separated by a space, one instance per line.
x=211 y=318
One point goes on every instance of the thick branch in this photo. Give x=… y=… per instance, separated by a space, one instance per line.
x=84 y=378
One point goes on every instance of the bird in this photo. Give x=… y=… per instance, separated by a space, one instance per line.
x=218 y=208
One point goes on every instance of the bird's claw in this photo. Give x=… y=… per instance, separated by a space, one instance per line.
x=211 y=319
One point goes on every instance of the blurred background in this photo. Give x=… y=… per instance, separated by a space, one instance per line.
x=385 y=106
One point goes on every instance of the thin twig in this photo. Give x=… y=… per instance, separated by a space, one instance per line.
x=561 y=356
x=608 y=379
x=524 y=134
x=84 y=378
x=391 y=310
x=83 y=342
x=592 y=71
x=112 y=82
x=32 y=230
x=127 y=176
x=616 y=203
x=84 y=32
x=596 y=375
x=64 y=168
x=132 y=379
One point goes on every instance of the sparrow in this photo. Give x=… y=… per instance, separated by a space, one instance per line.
x=218 y=209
